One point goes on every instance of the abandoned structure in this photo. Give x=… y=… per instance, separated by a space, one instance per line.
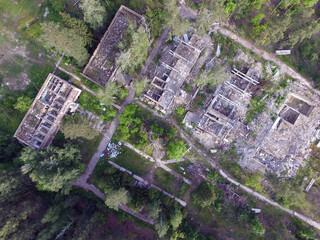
x=284 y=145
x=101 y=67
x=278 y=140
x=40 y=124
x=172 y=73
x=226 y=107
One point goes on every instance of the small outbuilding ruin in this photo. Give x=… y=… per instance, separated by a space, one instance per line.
x=101 y=67
x=41 y=123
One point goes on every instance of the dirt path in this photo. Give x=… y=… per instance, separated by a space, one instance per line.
x=215 y=165
x=82 y=180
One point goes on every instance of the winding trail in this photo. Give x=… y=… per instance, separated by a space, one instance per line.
x=191 y=142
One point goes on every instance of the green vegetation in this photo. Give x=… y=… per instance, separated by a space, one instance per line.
x=140 y=85
x=134 y=162
x=54 y=169
x=65 y=41
x=78 y=126
x=176 y=150
x=79 y=27
x=107 y=95
x=134 y=50
x=211 y=78
x=94 y=13
x=116 y=197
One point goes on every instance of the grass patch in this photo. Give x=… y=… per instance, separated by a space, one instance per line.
x=89 y=147
x=134 y=162
x=165 y=180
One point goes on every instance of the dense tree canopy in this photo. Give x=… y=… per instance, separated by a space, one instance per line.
x=23 y=104
x=212 y=77
x=78 y=126
x=134 y=53
x=116 y=197
x=107 y=95
x=94 y=13
x=54 y=169
x=176 y=149
x=79 y=27
x=140 y=85
x=64 y=40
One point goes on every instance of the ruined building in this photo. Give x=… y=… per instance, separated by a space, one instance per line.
x=101 y=67
x=40 y=124
x=172 y=73
x=226 y=108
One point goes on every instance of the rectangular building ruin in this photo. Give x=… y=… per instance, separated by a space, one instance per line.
x=172 y=73
x=101 y=67
x=228 y=104
x=40 y=124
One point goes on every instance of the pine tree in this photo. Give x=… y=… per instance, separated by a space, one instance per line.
x=54 y=169
x=79 y=27
x=64 y=40
x=116 y=197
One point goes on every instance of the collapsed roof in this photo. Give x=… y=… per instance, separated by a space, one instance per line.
x=40 y=124
x=102 y=65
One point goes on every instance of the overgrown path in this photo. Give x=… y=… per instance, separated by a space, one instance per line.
x=82 y=181
x=104 y=142
x=191 y=142
x=264 y=54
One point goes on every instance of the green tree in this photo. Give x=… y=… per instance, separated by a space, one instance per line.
x=309 y=3
x=257 y=227
x=107 y=95
x=54 y=169
x=257 y=19
x=23 y=104
x=78 y=126
x=204 y=195
x=123 y=93
x=254 y=181
x=230 y=6
x=176 y=219
x=257 y=4
x=116 y=197
x=173 y=19
x=140 y=85
x=64 y=40
x=109 y=114
x=162 y=226
x=211 y=78
x=131 y=59
x=94 y=13
x=176 y=149
x=79 y=27
x=180 y=111
x=154 y=208
x=170 y=133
